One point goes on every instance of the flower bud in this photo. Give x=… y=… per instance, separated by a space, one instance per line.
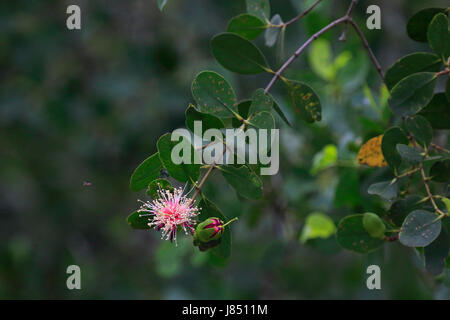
x=209 y=230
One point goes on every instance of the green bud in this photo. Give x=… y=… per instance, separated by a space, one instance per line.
x=209 y=230
x=373 y=225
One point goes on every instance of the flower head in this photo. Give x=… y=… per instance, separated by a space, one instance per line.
x=170 y=210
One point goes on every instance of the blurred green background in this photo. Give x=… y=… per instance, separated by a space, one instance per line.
x=79 y=110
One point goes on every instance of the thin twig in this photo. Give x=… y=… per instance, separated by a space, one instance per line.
x=349 y=13
x=300 y=50
x=343 y=19
x=440 y=148
x=301 y=15
x=199 y=187
x=427 y=187
x=367 y=47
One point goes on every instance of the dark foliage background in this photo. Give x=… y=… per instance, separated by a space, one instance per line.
x=79 y=110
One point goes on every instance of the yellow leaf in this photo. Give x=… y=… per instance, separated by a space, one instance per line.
x=370 y=153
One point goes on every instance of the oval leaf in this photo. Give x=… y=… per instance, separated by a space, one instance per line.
x=214 y=94
x=439 y=36
x=419 y=229
x=418 y=24
x=237 y=54
x=408 y=153
x=410 y=64
x=412 y=93
x=352 y=236
x=145 y=173
x=247 y=26
x=305 y=101
x=385 y=189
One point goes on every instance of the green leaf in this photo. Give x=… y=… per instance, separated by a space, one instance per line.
x=247 y=26
x=157 y=184
x=419 y=229
x=352 y=236
x=161 y=4
x=324 y=159
x=145 y=173
x=259 y=8
x=243 y=180
x=402 y=207
x=418 y=24
x=208 y=121
x=391 y=138
x=410 y=64
x=237 y=54
x=182 y=172
x=437 y=112
x=305 y=102
x=260 y=102
x=136 y=222
x=374 y=225
x=320 y=59
x=214 y=94
x=436 y=253
x=272 y=33
x=410 y=154
x=412 y=93
x=438 y=35
x=317 y=225
x=262 y=120
x=421 y=129
x=385 y=189
x=209 y=209
x=440 y=171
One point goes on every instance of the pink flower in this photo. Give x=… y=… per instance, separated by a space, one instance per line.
x=170 y=210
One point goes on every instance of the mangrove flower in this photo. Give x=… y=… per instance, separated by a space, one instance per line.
x=209 y=233
x=169 y=211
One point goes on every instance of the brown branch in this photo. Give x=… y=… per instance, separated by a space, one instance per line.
x=427 y=188
x=367 y=47
x=199 y=187
x=349 y=13
x=301 y=15
x=300 y=50
x=344 y=19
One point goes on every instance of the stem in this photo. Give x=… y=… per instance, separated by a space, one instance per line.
x=300 y=50
x=427 y=187
x=441 y=73
x=301 y=15
x=349 y=13
x=230 y=221
x=199 y=187
x=438 y=147
x=367 y=47
x=344 y=19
